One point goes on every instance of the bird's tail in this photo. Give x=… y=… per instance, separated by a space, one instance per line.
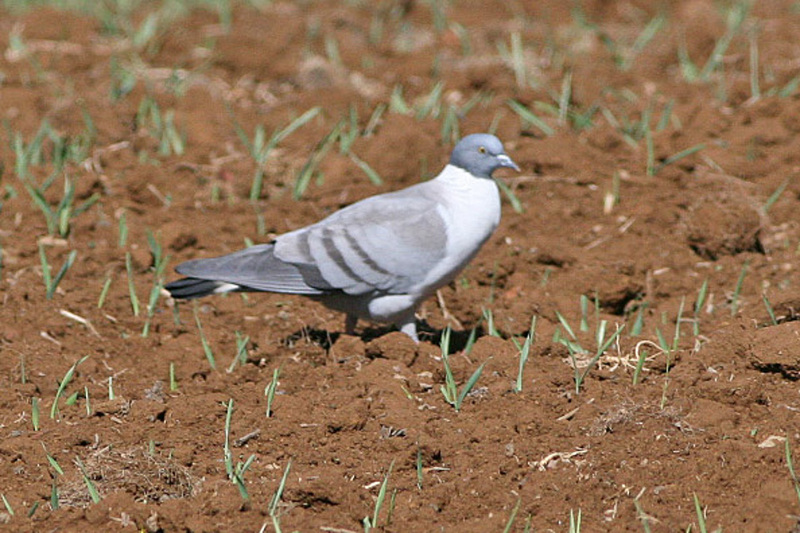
x=251 y=270
x=190 y=288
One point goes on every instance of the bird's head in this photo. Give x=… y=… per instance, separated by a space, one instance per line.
x=481 y=154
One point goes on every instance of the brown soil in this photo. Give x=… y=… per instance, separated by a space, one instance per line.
x=709 y=420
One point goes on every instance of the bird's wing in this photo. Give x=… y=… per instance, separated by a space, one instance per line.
x=388 y=243
x=255 y=268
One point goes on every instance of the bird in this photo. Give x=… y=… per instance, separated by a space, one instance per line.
x=379 y=258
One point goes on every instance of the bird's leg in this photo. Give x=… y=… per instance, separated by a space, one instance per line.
x=350 y=324
x=410 y=329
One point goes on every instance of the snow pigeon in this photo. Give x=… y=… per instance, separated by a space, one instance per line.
x=378 y=258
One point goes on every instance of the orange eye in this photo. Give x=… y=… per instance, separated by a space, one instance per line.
x=482 y=150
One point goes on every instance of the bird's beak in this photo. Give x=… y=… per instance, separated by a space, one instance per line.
x=506 y=161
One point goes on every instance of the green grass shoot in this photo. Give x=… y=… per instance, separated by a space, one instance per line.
x=7 y=504
x=93 y=494
x=738 y=290
x=131 y=287
x=790 y=466
x=770 y=311
x=235 y=473
x=63 y=385
x=173 y=382
x=701 y=517
x=528 y=117
x=418 y=465
x=698 y=307
x=51 y=283
x=206 y=346
x=450 y=390
x=276 y=498
x=240 y=358
x=123 y=230
x=641 y=515
x=35 y=413
x=524 y=352
x=269 y=390
x=775 y=195
x=575 y=521
x=104 y=292
x=303 y=178
x=512 y=517
x=260 y=147
x=368 y=523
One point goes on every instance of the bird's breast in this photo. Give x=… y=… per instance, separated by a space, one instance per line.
x=471 y=210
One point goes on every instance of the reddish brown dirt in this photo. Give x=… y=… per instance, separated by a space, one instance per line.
x=711 y=423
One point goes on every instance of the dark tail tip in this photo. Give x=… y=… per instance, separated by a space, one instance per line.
x=189 y=288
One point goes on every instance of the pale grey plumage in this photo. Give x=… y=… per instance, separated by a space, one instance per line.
x=380 y=257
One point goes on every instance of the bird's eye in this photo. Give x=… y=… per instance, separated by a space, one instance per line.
x=482 y=150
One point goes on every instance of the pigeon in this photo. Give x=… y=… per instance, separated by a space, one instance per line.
x=377 y=259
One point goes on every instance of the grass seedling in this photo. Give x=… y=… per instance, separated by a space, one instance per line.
x=655 y=169
x=514 y=55
x=54 y=499
x=7 y=504
x=173 y=383
x=241 y=351
x=738 y=289
x=755 y=88
x=160 y=126
x=58 y=219
x=775 y=195
x=701 y=517
x=260 y=147
x=276 y=498
x=735 y=19
x=642 y=515
x=670 y=350
x=574 y=521
x=524 y=351
x=516 y=205
x=131 y=287
x=768 y=307
x=88 y=401
x=320 y=151
x=123 y=230
x=488 y=317
x=790 y=466
x=450 y=389
x=104 y=292
x=574 y=347
x=528 y=117
x=51 y=283
x=63 y=385
x=111 y=395
x=35 y=413
x=206 y=346
x=698 y=307
x=52 y=461
x=93 y=494
x=235 y=474
x=374 y=119
x=155 y=292
x=269 y=390
x=373 y=176
x=512 y=517
x=623 y=54
x=418 y=464
x=159 y=265
x=368 y=523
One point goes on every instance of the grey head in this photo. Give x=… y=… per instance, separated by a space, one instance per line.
x=481 y=154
